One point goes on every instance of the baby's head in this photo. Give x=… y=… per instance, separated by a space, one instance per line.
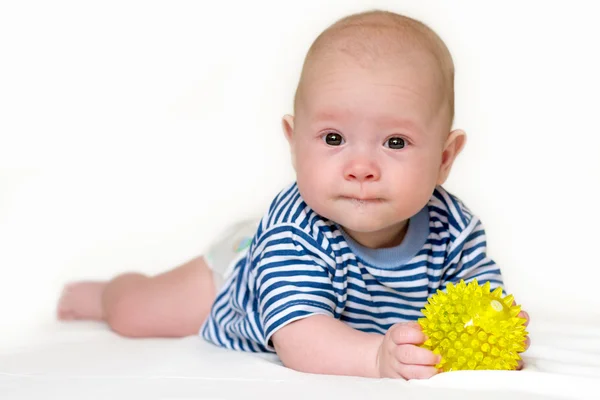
x=370 y=137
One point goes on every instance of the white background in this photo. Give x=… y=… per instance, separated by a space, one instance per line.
x=131 y=133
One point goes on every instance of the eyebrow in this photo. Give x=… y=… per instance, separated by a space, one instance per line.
x=327 y=116
x=382 y=120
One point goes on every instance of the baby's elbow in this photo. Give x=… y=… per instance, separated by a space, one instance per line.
x=293 y=355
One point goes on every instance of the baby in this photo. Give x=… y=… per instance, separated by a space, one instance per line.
x=335 y=274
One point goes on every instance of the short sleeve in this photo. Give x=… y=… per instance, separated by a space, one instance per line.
x=292 y=278
x=467 y=258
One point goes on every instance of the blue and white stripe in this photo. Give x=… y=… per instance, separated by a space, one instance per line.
x=300 y=264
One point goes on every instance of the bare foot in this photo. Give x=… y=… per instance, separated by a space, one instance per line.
x=81 y=300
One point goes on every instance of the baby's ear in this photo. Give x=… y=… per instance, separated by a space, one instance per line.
x=288 y=130
x=452 y=148
x=288 y=127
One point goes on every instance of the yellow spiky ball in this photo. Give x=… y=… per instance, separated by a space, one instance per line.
x=473 y=329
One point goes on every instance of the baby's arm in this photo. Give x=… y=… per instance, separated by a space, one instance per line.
x=292 y=275
x=323 y=345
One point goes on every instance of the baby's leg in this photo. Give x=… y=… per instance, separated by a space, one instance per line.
x=172 y=304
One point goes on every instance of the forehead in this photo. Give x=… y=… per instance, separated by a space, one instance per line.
x=402 y=89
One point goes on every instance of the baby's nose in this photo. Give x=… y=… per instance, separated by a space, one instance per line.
x=362 y=171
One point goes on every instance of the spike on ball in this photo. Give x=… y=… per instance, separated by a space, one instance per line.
x=472 y=327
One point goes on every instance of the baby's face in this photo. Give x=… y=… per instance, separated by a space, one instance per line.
x=368 y=142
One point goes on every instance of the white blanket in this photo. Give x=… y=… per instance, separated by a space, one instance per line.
x=87 y=361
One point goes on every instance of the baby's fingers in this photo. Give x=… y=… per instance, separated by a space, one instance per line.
x=522 y=314
x=525 y=315
x=409 y=371
x=520 y=363
x=406 y=333
x=410 y=354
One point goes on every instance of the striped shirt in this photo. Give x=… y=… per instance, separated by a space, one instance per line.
x=300 y=264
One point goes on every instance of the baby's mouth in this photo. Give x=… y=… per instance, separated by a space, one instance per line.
x=362 y=201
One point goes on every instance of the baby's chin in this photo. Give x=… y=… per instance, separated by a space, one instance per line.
x=361 y=225
x=365 y=222
x=356 y=215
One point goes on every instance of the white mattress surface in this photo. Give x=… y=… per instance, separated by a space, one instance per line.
x=87 y=361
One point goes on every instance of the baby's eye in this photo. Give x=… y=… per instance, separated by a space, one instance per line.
x=395 y=143
x=333 y=139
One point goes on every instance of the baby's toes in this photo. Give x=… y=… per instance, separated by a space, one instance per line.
x=64 y=310
x=81 y=300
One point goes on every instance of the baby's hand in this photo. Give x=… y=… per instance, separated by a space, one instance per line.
x=400 y=357
x=523 y=314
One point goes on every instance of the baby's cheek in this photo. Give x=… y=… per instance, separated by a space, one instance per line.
x=311 y=173
x=425 y=172
x=313 y=195
x=409 y=176
x=318 y=171
x=311 y=182
x=414 y=186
